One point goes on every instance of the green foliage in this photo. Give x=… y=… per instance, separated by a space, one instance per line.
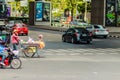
x=56 y=15
x=72 y=5
x=61 y=5
x=81 y=7
x=24 y=9
x=89 y=7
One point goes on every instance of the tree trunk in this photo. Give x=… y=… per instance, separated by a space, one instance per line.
x=72 y=11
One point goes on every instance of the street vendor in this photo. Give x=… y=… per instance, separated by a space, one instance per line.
x=41 y=41
x=40 y=37
x=15 y=40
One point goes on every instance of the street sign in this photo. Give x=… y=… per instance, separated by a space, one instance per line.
x=42 y=13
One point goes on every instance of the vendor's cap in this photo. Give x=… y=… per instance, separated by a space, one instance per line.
x=40 y=36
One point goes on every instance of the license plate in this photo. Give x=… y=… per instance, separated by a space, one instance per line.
x=101 y=31
x=21 y=32
x=84 y=35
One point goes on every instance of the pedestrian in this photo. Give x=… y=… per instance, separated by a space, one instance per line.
x=15 y=40
x=41 y=41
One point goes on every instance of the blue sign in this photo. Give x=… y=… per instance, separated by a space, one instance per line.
x=39 y=11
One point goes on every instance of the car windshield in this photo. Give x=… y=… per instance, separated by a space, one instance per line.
x=79 y=30
x=99 y=26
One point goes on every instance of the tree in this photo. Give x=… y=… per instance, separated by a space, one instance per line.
x=71 y=5
x=58 y=7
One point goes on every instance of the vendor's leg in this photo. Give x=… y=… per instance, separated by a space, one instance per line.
x=14 y=47
x=3 y=58
x=40 y=53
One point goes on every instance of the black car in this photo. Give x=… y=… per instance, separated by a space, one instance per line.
x=77 y=34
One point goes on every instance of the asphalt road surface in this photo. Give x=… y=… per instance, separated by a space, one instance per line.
x=65 y=61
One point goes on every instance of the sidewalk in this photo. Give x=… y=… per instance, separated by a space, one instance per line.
x=113 y=31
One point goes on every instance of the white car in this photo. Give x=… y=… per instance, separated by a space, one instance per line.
x=98 y=30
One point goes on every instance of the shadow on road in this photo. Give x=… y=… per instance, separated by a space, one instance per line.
x=93 y=45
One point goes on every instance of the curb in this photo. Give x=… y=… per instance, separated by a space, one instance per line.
x=63 y=29
x=114 y=36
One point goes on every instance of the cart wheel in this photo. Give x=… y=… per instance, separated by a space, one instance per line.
x=28 y=52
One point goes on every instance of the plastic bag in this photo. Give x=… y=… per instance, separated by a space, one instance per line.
x=16 y=52
x=30 y=40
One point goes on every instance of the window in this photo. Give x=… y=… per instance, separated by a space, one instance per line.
x=83 y=31
x=96 y=26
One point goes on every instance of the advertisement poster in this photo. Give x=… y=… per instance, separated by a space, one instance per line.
x=118 y=12
x=39 y=11
x=3 y=11
x=110 y=13
x=8 y=11
x=46 y=12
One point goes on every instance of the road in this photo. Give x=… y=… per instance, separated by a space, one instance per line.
x=64 y=61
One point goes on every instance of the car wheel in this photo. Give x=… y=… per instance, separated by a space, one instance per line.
x=63 y=39
x=88 y=42
x=26 y=34
x=105 y=37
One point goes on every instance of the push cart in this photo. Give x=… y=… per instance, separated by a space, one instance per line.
x=30 y=49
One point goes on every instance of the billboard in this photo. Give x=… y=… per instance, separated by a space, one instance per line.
x=110 y=13
x=42 y=13
x=46 y=12
x=38 y=11
x=8 y=11
x=3 y=10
